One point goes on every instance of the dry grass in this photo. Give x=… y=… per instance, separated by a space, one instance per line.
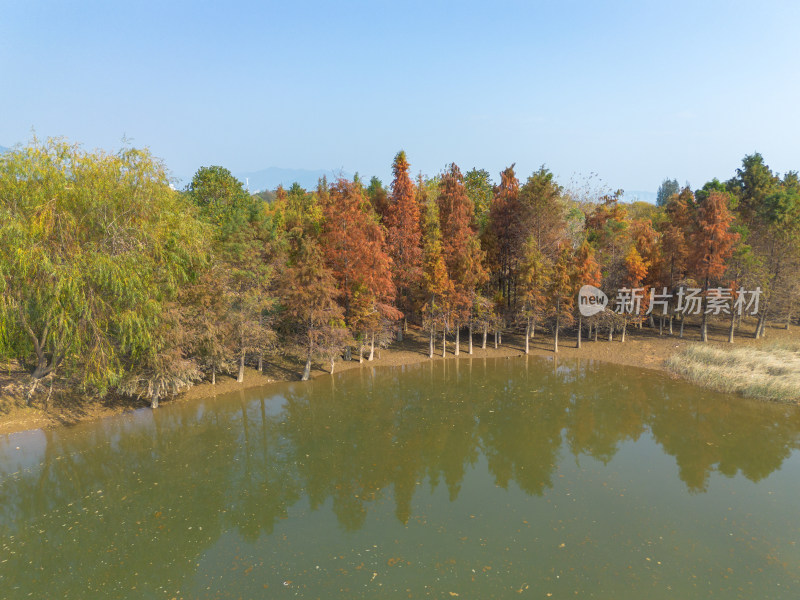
x=771 y=372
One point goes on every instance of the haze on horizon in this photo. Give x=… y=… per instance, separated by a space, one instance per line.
x=635 y=92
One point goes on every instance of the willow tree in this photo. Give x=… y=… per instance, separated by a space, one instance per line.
x=93 y=250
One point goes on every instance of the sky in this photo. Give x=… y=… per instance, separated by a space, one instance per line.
x=634 y=92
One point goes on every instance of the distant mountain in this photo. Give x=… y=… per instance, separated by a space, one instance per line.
x=638 y=195
x=272 y=177
x=4 y=149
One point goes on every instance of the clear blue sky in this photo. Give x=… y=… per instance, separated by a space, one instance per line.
x=634 y=91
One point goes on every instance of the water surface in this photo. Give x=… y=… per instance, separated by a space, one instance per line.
x=481 y=478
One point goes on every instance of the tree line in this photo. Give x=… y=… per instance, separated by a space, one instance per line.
x=113 y=280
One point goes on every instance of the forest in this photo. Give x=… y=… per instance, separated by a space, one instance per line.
x=112 y=281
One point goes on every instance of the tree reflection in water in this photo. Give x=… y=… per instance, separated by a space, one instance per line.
x=150 y=492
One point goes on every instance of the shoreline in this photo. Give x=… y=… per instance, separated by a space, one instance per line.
x=644 y=349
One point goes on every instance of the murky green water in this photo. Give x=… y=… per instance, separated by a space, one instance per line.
x=482 y=479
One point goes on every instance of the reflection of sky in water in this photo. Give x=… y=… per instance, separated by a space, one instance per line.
x=21 y=451
x=473 y=477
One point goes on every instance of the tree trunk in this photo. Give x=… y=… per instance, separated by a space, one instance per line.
x=213 y=375
x=333 y=364
x=372 y=347
x=683 y=320
x=444 y=343
x=457 y=349
x=240 y=377
x=496 y=335
x=154 y=402
x=624 y=329
x=732 y=326
x=307 y=371
x=430 y=353
x=595 y=331
x=485 y=333
x=761 y=325
x=555 y=335
x=611 y=333
x=260 y=352
x=470 y=337
x=670 y=325
x=580 y=329
x=704 y=318
x=661 y=325
x=527 y=336
x=360 y=352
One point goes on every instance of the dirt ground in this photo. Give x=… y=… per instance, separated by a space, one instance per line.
x=643 y=348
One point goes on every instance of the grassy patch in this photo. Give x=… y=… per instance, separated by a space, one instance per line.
x=767 y=373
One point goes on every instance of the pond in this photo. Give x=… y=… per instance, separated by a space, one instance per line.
x=471 y=478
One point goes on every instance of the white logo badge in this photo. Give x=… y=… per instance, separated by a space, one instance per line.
x=591 y=300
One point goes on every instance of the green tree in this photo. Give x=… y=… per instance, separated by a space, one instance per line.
x=561 y=291
x=533 y=280
x=378 y=197
x=478 y=184
x=667 y=189
x=243 y=246
x=93 y=250
x=437 y=288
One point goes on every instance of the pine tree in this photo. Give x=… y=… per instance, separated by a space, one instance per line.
x=461 y=250
x=533 y=282
x=313 y=321
x=437 y=287
x=587 y=272
x=712 y=245
x=404 y=235
x=561 y=291
x=504 y=235
x=354 y=246
x=635 y=271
